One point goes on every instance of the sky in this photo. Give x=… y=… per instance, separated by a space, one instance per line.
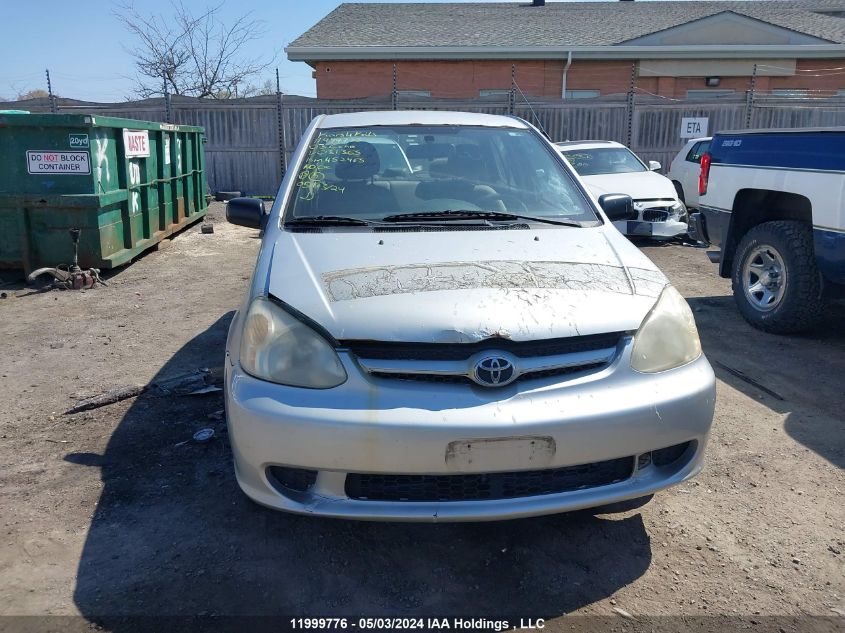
x=84 y=45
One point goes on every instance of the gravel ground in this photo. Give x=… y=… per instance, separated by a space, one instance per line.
x=111 y=513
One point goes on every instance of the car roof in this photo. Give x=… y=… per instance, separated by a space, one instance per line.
x=567 y=145
x=699 y=139
x=418 y=117
x=779 y=130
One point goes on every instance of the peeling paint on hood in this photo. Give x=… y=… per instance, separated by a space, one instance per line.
x=463 y=286
x=342 y=285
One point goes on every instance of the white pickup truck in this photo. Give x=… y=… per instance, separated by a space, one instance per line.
x=773 y=201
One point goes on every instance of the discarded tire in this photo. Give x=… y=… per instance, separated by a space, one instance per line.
x=223 y=196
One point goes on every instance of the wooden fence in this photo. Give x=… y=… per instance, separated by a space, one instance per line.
x=250 y=140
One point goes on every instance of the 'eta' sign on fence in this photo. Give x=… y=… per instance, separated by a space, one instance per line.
x=691 y=127
x=136 y=143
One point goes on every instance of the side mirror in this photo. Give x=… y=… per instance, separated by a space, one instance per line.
x=653 y=165
x=247 y=212
x=618 y=207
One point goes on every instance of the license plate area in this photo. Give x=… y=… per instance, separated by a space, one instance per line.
x=500 y=454
x=636 y=227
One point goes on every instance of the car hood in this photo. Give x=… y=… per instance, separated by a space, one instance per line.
x=643 y=185
x=462 y=286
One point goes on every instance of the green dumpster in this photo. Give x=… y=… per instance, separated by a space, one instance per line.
x=127 y=184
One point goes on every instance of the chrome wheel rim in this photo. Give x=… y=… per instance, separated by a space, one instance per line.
x=764 y=278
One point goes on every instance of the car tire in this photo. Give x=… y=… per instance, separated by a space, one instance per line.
x=775 y=280
x=224 y=196
x=680 y=191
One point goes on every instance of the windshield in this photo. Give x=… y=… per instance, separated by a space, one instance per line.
x=603 y=160
x=370 y=173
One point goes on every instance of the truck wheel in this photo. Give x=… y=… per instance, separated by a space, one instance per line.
x=776 y=283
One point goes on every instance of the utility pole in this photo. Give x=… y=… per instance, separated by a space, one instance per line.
x=749 y=98
x=281 y=124
x=53 y=105
x=512 y=93
x=630 y=103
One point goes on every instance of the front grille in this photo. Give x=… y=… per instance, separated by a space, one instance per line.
x=488 y=486
x=461 y=351
x=465 y=380
x=653 y=215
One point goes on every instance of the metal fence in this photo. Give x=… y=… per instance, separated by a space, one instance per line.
x=247 y=148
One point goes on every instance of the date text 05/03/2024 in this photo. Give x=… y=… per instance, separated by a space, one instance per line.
x=410 y=624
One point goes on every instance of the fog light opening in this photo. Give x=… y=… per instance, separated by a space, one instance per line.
x=643 y=461
x=291 y=479
x=672 y=454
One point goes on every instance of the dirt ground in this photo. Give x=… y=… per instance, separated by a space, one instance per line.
x=111 y=513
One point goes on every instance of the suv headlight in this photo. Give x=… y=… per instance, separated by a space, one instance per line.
x=278 y=347
x=667 y=337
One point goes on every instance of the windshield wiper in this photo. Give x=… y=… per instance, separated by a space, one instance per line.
x=467 y=214
x=329 y=220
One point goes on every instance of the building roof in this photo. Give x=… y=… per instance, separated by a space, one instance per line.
x=518 y=25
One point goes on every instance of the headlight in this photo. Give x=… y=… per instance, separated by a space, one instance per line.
x=667 y=337
x=678 y=208
x=277 y=347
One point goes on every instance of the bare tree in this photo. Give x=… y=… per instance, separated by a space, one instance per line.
x=249 y=90
x=193 y=54
x=267 y=88
x=38 y=93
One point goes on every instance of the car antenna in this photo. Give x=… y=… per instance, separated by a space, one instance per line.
x=530 y=107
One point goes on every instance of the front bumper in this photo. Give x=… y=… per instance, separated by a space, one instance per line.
x=658 y=218
x=643 y=228
x=402 y=427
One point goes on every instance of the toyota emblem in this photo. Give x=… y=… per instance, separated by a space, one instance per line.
x=494 y=371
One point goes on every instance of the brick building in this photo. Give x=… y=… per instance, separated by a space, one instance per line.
x=578 y=49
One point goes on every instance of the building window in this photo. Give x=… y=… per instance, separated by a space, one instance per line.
x=493 y=92
x=582 y=94
x=414 y=93
x=709 y=94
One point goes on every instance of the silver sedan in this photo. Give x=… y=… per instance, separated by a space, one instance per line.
x=443 y=325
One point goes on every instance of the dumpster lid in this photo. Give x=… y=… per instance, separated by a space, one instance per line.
x=89 y=120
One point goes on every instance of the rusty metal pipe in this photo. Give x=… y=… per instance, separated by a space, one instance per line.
x=57 y=273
